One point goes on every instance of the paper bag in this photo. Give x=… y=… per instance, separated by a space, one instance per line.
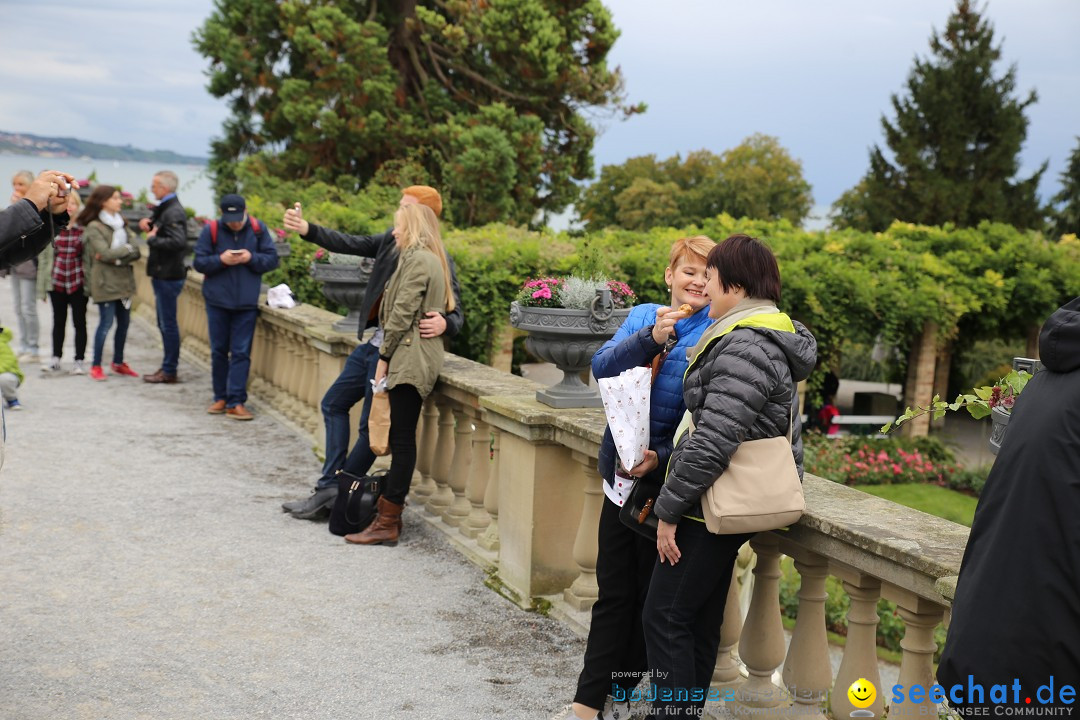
x=379 y=423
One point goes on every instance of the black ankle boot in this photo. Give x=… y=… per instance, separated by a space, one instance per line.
x=318 y=504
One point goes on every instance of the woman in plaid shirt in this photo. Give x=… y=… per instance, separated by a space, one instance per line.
x=61 y=276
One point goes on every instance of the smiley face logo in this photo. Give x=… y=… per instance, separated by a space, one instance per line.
x=862 y=693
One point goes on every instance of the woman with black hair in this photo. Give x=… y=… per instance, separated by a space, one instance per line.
x=107 y=257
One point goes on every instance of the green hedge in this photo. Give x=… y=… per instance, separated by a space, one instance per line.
x=846 y=286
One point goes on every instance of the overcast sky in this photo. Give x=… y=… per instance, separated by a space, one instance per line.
x=818 y=75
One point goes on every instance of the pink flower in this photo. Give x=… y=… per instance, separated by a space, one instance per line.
x=883 y=456
x=543 y=292
x=895 y=469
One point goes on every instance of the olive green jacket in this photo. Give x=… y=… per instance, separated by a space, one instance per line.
x=416 y=287
x=111 y=277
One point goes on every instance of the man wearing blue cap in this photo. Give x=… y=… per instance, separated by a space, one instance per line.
x=232 y=254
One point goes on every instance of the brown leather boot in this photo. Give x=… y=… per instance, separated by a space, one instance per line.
x=384 y=530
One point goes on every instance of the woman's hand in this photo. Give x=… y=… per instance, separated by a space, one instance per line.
x=646 y=466
x=665 y=324
x=665 y=543
x=380 y=371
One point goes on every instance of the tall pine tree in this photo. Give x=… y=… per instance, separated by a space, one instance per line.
x=1065 y=214
x=486 y=99
x=955 y=143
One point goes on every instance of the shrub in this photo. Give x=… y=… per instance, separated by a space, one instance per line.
x=888 y=461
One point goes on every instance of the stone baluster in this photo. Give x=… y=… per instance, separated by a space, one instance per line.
x=583 y=592
x=917 y=665
x=761 y=645
x=429 y=433
x=440 y=467
x=312 y=396
x=459 y=471
x=726 y=673
x=490 y=539
x=476 y=487
x=280 y=367
x=807 y=672
x=860 y=650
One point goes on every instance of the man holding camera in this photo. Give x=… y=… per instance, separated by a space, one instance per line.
x=232 y=254
x=354 y=382
x=167 y=237
x=31 y=223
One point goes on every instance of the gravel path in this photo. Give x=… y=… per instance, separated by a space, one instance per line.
x=146 y=571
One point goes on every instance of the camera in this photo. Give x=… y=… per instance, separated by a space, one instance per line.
x=62 y=187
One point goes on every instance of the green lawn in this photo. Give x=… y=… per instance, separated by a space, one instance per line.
x=931 y=499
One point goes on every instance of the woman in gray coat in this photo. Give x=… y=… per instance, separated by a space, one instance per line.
x=740 y=385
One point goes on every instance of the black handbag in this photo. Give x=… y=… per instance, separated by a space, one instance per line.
x=637 y=512
x=355 y=506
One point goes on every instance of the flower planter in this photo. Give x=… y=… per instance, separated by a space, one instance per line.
x=1000 y=416
x=568 y=338
x=345 y=285
x=1000 y=419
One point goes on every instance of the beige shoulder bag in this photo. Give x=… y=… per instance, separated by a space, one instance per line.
x=760 y=490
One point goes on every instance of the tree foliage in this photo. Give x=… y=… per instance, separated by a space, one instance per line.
x=954 y=144
x=757 y=179
x=485 y=99
x=1065 y=206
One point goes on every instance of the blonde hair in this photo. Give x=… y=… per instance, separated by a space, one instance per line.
x=74 y=195
x=416 y=224
x=685 y=248
x=25 y=175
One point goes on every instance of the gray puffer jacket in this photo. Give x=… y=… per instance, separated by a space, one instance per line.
x=739 y=387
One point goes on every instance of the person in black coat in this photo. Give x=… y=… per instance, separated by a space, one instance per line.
x=31 y=223
x=167 y=239
x=1016 y=615
x=353 y=385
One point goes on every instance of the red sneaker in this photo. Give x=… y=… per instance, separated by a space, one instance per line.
x=96 y=373
x=123 y=369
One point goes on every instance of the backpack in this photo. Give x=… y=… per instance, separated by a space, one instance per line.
x=214 y=226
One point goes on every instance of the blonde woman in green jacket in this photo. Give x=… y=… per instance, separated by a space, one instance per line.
x=409 y=363
x=107 y=257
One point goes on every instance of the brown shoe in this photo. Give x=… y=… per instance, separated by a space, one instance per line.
x=161 y=377
x=239 y=412
x=217 y=408
x=385 y=529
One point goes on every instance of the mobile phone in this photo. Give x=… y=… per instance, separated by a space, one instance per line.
x=235 y=252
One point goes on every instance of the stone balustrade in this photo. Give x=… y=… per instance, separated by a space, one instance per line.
x=513 y=484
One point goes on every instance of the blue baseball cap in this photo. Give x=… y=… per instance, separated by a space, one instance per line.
x=232 y=208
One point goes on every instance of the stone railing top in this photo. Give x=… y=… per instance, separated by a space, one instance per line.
x=478 y=380
x=880 y=537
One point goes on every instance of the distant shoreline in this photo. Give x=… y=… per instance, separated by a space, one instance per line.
x=184 y=161
x=65 y=148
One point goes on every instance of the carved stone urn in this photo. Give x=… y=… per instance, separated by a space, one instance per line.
x=569 y=338
x=345 y=284
x=999 y=416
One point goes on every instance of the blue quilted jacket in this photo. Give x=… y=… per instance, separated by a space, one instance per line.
x=633 y=346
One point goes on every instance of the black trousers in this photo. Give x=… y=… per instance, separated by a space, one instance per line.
x=405 y=405
x=682 y=617
x=60 y=303
x=615 y=652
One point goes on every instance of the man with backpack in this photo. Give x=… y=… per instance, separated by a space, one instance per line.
x=232 y=254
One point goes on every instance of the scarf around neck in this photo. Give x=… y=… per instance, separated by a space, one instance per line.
x=117 y=224
x=745 y=308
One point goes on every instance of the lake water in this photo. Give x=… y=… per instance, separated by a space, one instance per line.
x=195 y=190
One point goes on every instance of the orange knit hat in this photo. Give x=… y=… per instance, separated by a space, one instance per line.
x=426 y=195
